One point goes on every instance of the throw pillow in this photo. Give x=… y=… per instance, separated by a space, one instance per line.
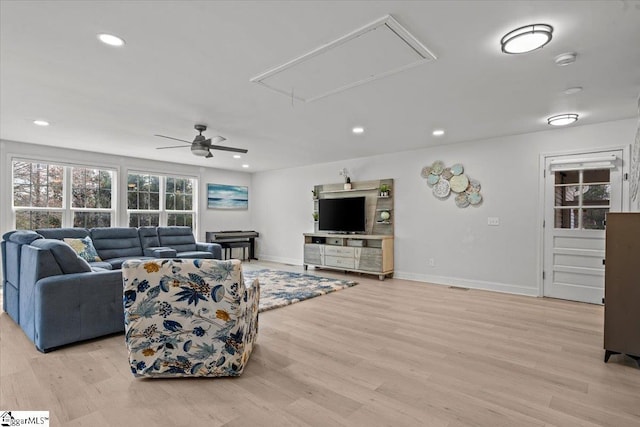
x=84 y=248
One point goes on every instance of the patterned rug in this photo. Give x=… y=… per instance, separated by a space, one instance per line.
x=280 y=288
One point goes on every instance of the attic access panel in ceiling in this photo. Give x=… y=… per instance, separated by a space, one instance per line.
x=377 y=50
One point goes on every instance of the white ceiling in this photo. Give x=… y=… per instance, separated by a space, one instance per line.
x=190 y=62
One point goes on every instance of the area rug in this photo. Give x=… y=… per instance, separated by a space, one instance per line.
x=280 y=288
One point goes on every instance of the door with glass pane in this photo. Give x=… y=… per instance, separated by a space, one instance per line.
x=579 y=192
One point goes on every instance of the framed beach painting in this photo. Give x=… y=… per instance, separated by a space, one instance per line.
x=220 y=196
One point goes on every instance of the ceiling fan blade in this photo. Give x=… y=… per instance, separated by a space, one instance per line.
x=175 y=139
x=223 y=148
x=208 y=155
x=174 y=146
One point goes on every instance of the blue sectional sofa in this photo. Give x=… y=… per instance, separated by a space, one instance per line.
x=59 y=298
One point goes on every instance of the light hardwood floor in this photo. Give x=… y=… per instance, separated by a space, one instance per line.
x=392 y=353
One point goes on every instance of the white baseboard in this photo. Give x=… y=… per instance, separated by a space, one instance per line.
x=436 y=280
x=466 y=283
x=281 y=260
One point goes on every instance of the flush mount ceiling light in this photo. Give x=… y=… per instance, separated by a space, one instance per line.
x=110 y=39
x=237 y=156
x=358 y=130
x=41 y=123
x=562 y=119
x=245 y=166
x=526 y=39
x=438 y=132
x=572 y=90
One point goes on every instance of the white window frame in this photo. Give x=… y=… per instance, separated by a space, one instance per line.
x=163 y=212
x=66 y=209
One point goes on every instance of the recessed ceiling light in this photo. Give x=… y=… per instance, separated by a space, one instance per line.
x=565 y=59
x=110 y=39
x=237 y=156
x=526 y=39
x=245 y=166
x=41 y=123
x=358 y=130
x=562 y=119
x=572 y=90
x=438 y=132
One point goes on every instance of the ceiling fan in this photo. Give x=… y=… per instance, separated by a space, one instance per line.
x=202 y=146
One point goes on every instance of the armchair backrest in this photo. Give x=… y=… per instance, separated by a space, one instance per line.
x=191 y=317
x=115 y=242
x=177 y=237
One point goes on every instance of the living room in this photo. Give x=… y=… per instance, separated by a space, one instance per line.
x=494 y=110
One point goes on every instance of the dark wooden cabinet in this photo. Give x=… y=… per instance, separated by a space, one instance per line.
x=622 y=286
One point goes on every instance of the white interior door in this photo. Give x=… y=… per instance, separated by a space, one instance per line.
x=579 y=191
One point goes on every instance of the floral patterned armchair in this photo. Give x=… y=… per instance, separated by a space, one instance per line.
x=188 y=317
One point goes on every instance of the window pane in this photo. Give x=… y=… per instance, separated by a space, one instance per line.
x=37 y=184
x=180 y=202
x=104 y=199
x=144 y=201
x=180 y=219
x=188 y=203
x=91 y=219
x=154 y=184
x=170 y=202
x=596 y=175
x=154 y=201
x=30 y=220
x=144 y=219
x=593 y=219
x=566 y=218
x=171 y=187
x=567 y=177
x=598 y=194
x=132 y=200
x=567 y=195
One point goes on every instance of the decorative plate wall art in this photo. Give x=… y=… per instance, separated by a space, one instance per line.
x=445 y=181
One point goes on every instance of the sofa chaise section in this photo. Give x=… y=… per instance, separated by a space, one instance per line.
x=62 y=300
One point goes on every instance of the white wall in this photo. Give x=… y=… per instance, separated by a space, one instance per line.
x=208 y=220
x=466 y=251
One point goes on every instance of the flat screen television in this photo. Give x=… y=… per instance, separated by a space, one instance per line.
x=345 y=215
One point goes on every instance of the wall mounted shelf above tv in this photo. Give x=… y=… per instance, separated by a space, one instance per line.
x=348 y=191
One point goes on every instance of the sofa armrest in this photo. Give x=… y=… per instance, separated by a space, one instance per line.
x=214 y=248
x=160 y=252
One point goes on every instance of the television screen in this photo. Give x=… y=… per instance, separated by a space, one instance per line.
x=342 y=215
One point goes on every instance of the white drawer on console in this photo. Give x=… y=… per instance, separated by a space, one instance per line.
x=339 y=251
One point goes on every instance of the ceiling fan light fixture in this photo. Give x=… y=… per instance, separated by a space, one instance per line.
x=526 y=39
x=199 y=150
x=562 y=119
x=218 y=139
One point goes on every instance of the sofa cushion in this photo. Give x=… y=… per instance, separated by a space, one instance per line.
x=116 y=263
x=84 y=248
x=116 y=242
x=195 y=254
x=179 y=238
x=61 y=233
x=101 y=264
x=67 y=259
